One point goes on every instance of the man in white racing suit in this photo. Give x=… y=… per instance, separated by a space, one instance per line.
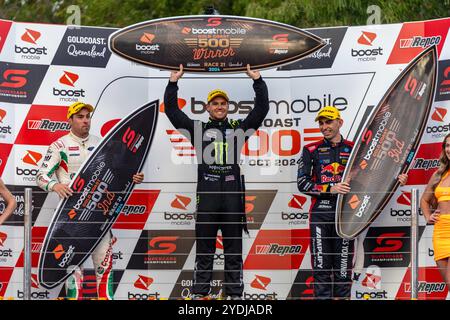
x=63 y=159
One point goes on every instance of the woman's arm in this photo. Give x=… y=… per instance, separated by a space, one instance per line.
x=11 y=203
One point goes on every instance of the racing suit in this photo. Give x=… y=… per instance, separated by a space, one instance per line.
x=63 y=159
x=220 y=186
x=321 y=166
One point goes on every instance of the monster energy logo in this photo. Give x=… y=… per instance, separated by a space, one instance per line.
x=218 y=151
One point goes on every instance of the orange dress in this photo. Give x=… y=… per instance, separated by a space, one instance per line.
x=441 y=234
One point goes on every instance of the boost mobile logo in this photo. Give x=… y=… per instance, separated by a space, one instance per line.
x=260 y=282
x=143 y=282
x=58 y=251
x=32 y=158
x=180 y=202
x=3 y=237
x=67 y=256
x=30 y=36
x=297 y=202
x=354 y=203
x=439 y=114
x=69 y=78
x=367 y=38
x=2 y=115
x=148 y=47
x=147 y=37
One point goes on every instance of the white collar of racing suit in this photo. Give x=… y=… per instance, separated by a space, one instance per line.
x=78 y=139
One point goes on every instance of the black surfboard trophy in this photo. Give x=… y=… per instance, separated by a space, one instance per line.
x=386 y=146
x=213 y=43
x=102 y=187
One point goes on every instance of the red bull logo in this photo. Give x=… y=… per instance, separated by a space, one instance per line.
x=332 y=172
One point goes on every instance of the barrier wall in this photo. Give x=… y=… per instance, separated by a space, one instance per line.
x=44 y=68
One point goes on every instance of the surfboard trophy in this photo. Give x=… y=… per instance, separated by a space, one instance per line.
x=101 y=187
x=213 y=43
x=386 y=146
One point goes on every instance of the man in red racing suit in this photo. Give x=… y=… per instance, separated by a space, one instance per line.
x=63 y=159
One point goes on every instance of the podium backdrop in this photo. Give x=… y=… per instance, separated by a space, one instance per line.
x=44 y=68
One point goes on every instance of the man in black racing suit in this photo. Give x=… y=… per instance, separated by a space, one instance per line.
x=319 y=175
x=220 y=186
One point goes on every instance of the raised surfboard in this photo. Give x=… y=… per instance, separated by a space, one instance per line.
x=208 y=43
x=386 y=146
x=101 y=188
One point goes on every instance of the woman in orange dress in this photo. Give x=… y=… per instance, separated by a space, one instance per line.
x=435 y=205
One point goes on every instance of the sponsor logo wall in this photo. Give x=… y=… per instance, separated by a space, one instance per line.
x=44 y=68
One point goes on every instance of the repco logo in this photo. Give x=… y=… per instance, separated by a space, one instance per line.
x=430 y=287
x=277 y=249
x=419 y=42
x=31 y=53
x=48 y=125
x=134 y=209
